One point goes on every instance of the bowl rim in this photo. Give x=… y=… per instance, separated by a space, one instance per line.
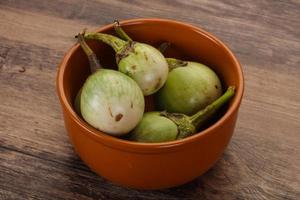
x=141 y=147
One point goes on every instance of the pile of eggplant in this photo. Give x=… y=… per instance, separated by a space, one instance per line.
x=187 y=94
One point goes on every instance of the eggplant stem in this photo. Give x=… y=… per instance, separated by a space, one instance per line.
x=202 y=116
x=93 y=60
x=116 y=43
x=123 y=35
x=174 y=63
x=120 y=32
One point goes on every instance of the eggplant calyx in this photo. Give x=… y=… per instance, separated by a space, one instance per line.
x=188 y=125
x=174 y=63
x=184 y=125
x=128 y=49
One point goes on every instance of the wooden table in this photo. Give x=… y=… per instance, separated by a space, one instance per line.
x=261 y=162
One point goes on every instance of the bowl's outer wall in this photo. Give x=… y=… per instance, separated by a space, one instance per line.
x=150 y=170
x=164 y=167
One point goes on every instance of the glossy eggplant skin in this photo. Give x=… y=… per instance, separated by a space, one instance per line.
x=189 y=89
x=111 y=102
x=154 y=128
x=147 y=66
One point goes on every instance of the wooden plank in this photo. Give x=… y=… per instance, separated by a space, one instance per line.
x=248 y=32
x=33 y=28
x=267 y=13
x=229 y=178
x=30 y=113
x=48 y=180
x=41 y=179
x=268 y=48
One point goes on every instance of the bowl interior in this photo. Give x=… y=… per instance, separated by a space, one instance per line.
x=187 y=43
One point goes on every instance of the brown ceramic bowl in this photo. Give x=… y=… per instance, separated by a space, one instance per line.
x=156 y=165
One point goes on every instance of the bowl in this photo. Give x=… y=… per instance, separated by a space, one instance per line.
x=151 y=165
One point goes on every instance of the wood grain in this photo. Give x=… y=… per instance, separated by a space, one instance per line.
x=38 y=162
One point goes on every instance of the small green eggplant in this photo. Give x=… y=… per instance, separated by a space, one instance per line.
x=190 y=86
x=164 y=126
